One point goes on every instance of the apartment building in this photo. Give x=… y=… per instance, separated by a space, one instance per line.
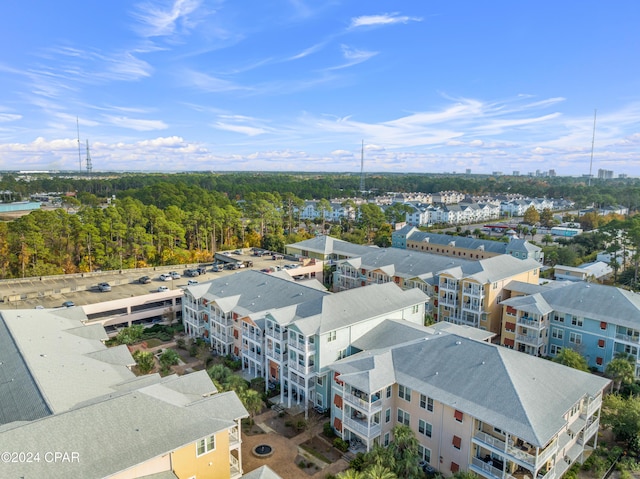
x=466 y=247
x=595 y=320
x=473 y=406
x=75 y=409
x=326 y=248
x=471 y=294
x=287 y=332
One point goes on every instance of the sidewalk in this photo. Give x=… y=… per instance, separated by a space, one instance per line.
x=285 y=451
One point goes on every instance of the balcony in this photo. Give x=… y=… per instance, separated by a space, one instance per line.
x=234 y=467
x=593 y=406
x=523 y=453
x=362 y=427
x=234 y=438
x=277 y=335
x=303 y=346
x=477 y=292
x=528 y=322
x=535 y=341
x=221 y=321
x=627 y=338
x=472 y=306
x=485 y=470
x=588 y=432
x=256 y=336
x=305 y=370
x=275 y=355
x=446 y=300
x=449 y=286
x=363 y=402
x=253 y=354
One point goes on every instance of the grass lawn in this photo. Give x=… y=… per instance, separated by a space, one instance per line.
x=153 y=342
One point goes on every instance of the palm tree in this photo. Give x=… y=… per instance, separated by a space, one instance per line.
x=350 y=474
x=546 y=239
x=252 y=402
x=378 y=471
x=620 y=369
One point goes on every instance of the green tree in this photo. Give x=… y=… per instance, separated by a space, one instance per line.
x=622 y=415
x=546 y=239
x=546 y=218
x=371 y=218
x=571 y=358
x=169 y=358
x=351 y=474
x=378 y=471
x=621 y=369
x=130 y=335
x=531 y=216
x=144 y=361
x=252 y=402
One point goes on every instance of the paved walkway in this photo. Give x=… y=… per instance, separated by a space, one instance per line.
x=285 y=451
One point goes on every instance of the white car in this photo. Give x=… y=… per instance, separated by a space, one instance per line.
x=174 y=275
x=162 y=289
x=191 y=282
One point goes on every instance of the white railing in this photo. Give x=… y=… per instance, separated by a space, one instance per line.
x=367 y=430
x=486 y=470
x=306 y=370
x=277 y=355
x=593 y=406
x=363 y=404
x=627 y=338
x=533 y=340
x=531 y=323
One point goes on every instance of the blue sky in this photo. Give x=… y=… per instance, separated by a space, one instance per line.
x=429 y=86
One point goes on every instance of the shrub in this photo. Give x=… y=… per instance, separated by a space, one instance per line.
x=340 y=444
x=328 y=431
x=302 y=464
x=232 y=363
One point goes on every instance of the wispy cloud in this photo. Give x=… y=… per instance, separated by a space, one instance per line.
x=353 y=57
x=8 y=117
x=244 y=129
x=136 y=123
x=157 y=21
x=209 y=83
x=382 y=19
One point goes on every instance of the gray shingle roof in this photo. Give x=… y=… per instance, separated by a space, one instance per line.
x=481 y=379
x=497 y=247
x=120 y=432
x=328 y=245
x=264 y=472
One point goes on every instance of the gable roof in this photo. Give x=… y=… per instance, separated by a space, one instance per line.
x=479 y=378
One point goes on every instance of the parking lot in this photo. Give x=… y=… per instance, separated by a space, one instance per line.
x=53 y=291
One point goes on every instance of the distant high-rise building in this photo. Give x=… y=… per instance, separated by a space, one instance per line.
x=605 y=174
x=468 y=171
x=623 y=175
x=552 y=173
x=497 y=173
x=516 y=173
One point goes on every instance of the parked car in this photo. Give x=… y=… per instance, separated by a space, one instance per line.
x=237 y=251
x=201 y=270
x=192 y=273
x=162 y=289
x=104 y=287
x=191 y=282
x=68 y=304
x=144 y=280
x=165 y=277
x=175 y=275
x=277 y=256
x=216 y=268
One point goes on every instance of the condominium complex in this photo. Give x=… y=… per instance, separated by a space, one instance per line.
x=596 y=320
x=289 y=333
x=474 y=406
x=71 y=407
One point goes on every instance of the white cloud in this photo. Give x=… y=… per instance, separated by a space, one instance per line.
x=136 y=123
x=209 y=83
x=383 y=19
x=244 y=129
x=157 y=21
x=353 y=57
x=7 y=117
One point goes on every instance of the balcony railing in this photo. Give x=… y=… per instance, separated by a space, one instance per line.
x=234 y=438
x=277 y=355
x=306 y=370
x=363 y=404
x=362 y=427
x=252 y=354
x=484 y=469
x=471 y=306
x=531 y=340
x=588 y=432
x=222 y=321
x=528 y=322
x=593 y=406
x=519 y=453
x=627 y=338
x=303 y=346
x=444 y=300
x=234 y=467
x=479 y=292
x=278 y=335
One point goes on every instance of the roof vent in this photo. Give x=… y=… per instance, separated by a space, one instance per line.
x=482 y=362
x=458 y=342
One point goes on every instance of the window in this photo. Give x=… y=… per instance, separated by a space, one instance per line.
x=205 y=445
x=388 y=392
x=424 y=453
x=387 y=415
x=457 y=442
x=575 y=338
x=331 y=337
x=601 y=343
x=603 y=325
x=319 y=380
x=555 y=349
x=509 y=327
x=430 y=404
x=557 y=333
x=403 y=417
x=576 y=321
x=424 y=428
x=404 y=393
x=599 y=361
x=558 y=318
x=386 y=439
x=454 y=467
x=458 y=415
x=423 y=401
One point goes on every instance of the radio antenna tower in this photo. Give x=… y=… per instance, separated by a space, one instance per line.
x=89 y=167
x=593 y=139
x=79 y=149
x=362 y=169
